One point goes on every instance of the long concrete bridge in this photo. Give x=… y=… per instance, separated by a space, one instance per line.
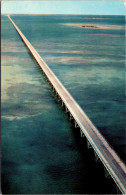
x=103 y=151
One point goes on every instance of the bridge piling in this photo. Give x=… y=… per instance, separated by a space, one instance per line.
x=62 y=104
x=66 y=109
x=118 y=190
x=82 y=135
x=107 y=174
x=71 y=117
x=89 y=146
x=97 y=160
x=59 y=98
x=76 y=125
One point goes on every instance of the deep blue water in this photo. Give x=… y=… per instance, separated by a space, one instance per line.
x=40 y=150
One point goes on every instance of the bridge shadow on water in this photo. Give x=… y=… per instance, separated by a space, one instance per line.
x=95 y=174
x=93 y=179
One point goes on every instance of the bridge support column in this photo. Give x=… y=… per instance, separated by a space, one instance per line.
x=56 y=93
x=53 y=89
x=97 y=159
x=82 y=134
x=118 y=190
x=59 y=98
x=48 y=81
x=89 y=145
x=71 y=117
x=62 y=104
x=76 y=125
x=66 y=110
x=107 y=175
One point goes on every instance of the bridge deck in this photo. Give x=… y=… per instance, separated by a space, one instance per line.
x=107 y=155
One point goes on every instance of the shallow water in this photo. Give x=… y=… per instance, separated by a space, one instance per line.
x=89 y=62
x=41 y=152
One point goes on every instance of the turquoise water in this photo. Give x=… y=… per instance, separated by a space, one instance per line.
x=41 y=152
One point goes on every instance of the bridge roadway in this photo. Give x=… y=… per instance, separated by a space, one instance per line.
x=103 y=150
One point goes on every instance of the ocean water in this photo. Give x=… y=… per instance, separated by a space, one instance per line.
x=41 y=150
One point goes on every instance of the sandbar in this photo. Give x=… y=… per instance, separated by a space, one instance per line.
x=94 y=26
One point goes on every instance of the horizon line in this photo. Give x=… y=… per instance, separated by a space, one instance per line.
x=63 y=14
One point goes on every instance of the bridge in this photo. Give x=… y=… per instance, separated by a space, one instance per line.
x=103 y=151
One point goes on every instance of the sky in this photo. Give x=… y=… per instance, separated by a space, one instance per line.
x=96 y=7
